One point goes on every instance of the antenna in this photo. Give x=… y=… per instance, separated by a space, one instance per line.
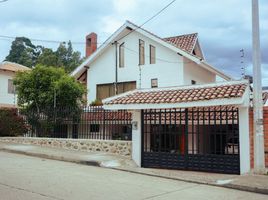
x=243 y=68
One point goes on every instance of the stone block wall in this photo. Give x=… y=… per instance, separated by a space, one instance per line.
x=118 y=147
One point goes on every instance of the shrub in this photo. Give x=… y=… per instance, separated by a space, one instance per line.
x=11 y=124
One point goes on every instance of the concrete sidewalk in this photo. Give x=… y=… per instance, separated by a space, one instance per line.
x=251 y=183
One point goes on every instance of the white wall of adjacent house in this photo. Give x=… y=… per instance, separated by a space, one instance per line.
x=169 y=68
x=6 y=98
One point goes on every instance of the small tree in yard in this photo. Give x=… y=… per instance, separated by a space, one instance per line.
x=47 y=91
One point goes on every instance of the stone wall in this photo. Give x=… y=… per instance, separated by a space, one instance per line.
x=110 y=146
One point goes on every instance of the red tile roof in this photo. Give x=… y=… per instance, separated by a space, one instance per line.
x=107 y=116
x=181 y=94
x=185 y=42
x=14 y=67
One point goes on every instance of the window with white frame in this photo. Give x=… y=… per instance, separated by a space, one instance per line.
x=141 y=52
x=152 y=54
x=122 y=55
x=11 y=87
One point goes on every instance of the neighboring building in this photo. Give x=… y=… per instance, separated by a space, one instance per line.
x=135 y=58
x=7 y=90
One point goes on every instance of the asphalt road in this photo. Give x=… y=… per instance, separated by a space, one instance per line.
x=26 y=178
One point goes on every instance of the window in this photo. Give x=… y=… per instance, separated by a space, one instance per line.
x=193 y=82
x=107 y=90
x=154 y=83
x=141 y=53
x=122 y=55
x=152 y=54
x=94 y=128
x=11 y=87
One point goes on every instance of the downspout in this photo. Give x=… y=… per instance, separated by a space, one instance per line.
x=116 y=72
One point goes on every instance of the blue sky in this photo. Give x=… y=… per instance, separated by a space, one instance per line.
x=224 y=27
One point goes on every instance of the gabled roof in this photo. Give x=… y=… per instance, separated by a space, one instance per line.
x=129 y=26
x=13 y=67
x=186 y=42
x=216 y=94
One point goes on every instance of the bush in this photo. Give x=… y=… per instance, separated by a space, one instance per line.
x=11 y=124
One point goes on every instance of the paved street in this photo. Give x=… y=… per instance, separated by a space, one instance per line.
x=25 y=178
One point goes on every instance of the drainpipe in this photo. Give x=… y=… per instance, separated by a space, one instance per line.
x=116 y=72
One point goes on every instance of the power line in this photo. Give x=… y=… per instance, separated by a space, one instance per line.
x=42 y=40
x=148 y=20
x=157 y=58
x=83 y=43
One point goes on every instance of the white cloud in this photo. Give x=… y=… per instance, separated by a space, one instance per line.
x=124 y=6
x=224 y=27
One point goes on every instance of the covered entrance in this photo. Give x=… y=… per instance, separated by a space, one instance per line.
x=200 y=127
x=203 y=139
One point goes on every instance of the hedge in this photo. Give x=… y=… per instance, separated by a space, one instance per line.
x=11 y=124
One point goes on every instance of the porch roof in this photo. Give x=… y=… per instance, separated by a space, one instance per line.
x=205 y=95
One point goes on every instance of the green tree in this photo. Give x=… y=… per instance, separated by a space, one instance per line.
x=27 y=54
x=47 y=96
x=67 y=57
x=23 y=52
x=47 y=58
x=38 y=88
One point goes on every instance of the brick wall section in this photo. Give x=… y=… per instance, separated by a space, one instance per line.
x=265 y=123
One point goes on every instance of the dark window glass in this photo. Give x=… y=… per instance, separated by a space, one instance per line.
x=94 y=128
x=122 y=55
x=152 y=54
x=141 y=53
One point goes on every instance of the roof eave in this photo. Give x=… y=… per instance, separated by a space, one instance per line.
x=209 y=103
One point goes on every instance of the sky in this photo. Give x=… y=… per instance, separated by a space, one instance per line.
x=224 y=27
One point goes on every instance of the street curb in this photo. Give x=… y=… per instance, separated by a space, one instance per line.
x=229 y=186
x=52 y=157
x=98 y=164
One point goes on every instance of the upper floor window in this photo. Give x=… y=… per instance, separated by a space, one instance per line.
x=11 y=87
x=193 y=82
x=141 y=53
x=122 y=55
x=154 y=83
x=152 y=54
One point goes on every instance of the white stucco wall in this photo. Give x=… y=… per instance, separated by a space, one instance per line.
x=5 y=97
x=168 y=68
x=136 y=137
x=244 y=144
x=194 y=72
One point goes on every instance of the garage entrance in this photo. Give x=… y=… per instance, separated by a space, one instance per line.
x=202 y=139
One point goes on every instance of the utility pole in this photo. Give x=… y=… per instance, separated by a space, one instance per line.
x=259 y=158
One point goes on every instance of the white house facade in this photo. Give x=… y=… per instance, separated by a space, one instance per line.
x=8 y=97
x=135 y=58
x=182 y=118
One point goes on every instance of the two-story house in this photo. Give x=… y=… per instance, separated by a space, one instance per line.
x=135 y=58
x=8 y=97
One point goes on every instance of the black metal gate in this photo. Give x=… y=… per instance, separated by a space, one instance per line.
x=202 y=139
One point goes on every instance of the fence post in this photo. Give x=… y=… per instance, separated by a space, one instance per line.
x=104 y=125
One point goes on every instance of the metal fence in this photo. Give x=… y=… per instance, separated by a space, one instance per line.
x=205 y=139
x=92 y=122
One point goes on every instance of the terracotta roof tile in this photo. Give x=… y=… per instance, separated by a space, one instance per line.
x=14 y=67
x=185 y=42
x=181 y=94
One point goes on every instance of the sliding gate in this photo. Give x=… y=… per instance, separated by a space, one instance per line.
x=202 y=139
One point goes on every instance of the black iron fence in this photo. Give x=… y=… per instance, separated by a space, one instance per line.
x=205 y=139
x=92 y=122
